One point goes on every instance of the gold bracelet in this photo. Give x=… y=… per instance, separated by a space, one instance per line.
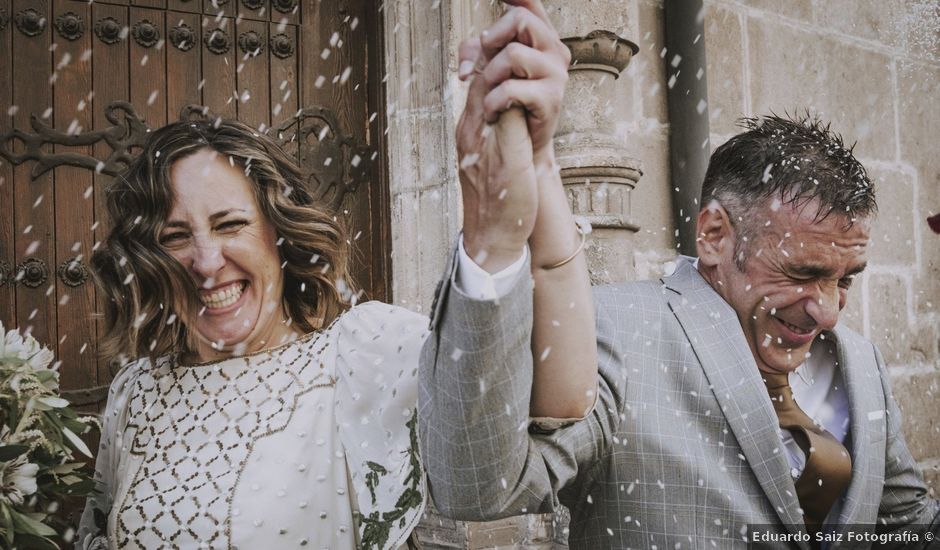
x=583 y=228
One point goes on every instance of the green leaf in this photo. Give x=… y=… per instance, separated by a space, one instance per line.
x=70 y=479
x=26 y=524
x=54 y=402
x=7 y=524
x=37 y=543
x=9 y=452
x=46 y=375
x=66 y=468
x=76 y=442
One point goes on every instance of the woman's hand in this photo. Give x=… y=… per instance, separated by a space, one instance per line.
x=518 y=70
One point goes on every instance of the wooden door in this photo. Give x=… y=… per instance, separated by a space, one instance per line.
x=83 y=81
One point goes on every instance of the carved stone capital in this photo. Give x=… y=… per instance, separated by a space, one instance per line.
x=598 y=172
x=599 y=177
x=600 y=50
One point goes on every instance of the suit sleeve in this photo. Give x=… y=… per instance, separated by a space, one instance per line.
x=905 y=505
x=473 y=404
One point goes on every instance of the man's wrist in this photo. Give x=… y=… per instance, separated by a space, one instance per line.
x=494 y=253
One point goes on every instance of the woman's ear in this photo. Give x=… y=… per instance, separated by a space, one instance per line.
x=714 y=239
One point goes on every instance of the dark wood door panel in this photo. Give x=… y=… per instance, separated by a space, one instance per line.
x=279 y=59
x=74 y=206
x=33 y=199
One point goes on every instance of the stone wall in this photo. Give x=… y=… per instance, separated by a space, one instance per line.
x=872 y=67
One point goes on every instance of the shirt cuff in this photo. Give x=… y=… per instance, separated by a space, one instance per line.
x=475 y=282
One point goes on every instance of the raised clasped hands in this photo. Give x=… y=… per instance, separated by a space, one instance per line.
x=518 y=68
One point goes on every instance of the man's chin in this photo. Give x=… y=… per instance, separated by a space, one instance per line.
x=787 y=361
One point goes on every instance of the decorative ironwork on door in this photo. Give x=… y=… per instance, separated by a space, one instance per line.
x=337 y=165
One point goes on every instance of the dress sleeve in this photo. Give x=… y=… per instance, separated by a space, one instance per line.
x=376 y=367
x=92 y=531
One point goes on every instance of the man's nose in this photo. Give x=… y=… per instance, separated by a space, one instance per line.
x=824 y=307
x=207 y=258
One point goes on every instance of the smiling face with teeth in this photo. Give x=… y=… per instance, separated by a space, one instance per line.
x=794 y=278
x=226 y=244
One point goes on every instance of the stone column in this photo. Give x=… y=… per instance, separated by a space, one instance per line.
x=598 y=172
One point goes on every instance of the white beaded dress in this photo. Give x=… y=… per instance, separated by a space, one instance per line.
x=308 y=445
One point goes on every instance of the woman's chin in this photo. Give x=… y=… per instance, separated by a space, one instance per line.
x=219 y=337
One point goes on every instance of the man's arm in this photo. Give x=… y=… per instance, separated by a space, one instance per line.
x=473 y=406
x=904 y=501
x=512 y=193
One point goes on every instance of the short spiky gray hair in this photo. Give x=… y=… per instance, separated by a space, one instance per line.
x=794 y=159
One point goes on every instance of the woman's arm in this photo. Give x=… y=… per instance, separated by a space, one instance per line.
x=564 y=341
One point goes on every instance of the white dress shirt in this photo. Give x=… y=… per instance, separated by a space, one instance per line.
x=476 y=282
x=819 y=391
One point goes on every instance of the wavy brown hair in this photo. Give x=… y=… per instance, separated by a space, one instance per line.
x=150 y=297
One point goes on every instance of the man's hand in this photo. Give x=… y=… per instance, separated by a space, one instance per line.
x=518 y=65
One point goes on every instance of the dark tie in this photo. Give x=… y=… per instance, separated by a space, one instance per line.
x=828 y=468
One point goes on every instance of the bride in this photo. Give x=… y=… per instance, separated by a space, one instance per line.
x=258 y=407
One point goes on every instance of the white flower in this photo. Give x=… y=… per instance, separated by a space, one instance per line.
x=24 y=348
x=17 y=480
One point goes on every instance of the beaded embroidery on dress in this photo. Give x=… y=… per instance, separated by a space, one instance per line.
x=311 y=444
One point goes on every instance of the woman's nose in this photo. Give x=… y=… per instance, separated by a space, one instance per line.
x=207 y=259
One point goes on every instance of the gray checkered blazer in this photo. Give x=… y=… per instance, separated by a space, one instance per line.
x=682 y=450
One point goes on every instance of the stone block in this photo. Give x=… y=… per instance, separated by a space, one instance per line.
x=416 y=64
x=888 y=321
x=853 y=314
x=533 y=532
x=435 y=532
x=580 y=18
x=420 y=243
x=792 y=69
x=892 y=234
x=406 y=273
x=917 y=396
x=891 y=329
x=926 y=337
x=868 y=20
x=421 y=149
x=610 y=256
x=652 y=198
x=801 y=10
x=724 y=42
x=909 y=28
x=648 y=68
x=918 y=122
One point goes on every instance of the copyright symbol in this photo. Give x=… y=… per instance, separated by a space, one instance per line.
x=928 y=536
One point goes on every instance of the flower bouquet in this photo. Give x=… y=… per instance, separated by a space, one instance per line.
x=39 y=435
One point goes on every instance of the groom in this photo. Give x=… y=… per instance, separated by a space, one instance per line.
x=733 y=408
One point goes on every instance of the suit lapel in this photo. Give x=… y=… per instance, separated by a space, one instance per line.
x=866 y=417
x=714 y=331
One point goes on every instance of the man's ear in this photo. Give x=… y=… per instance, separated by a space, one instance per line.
x=714 y=240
